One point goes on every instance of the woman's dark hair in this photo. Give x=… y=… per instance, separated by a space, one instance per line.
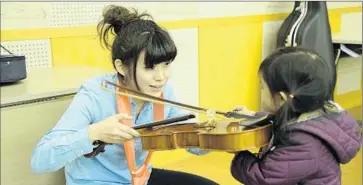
x=134 y=34
x=303 y=74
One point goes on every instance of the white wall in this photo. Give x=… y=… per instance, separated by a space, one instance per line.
x=185 y=67
x=19 y=15
x=352 y=22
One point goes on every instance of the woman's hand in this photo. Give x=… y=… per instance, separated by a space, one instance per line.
x=112 y=130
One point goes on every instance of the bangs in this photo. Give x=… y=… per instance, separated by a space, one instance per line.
x=161 y=48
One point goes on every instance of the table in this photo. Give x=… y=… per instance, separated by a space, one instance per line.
x=29 y=109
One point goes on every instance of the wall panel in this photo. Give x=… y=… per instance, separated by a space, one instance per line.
x=185 y=75
x=25 y=15
x=37 y=52
x=229 y=58
x=80 y=50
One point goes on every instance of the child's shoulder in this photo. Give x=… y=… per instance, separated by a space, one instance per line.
x=338 y=130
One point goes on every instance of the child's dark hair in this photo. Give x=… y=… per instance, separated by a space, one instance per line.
x=301 y=73
x=133 y=34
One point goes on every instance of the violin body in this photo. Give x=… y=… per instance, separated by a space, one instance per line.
x=228 y=135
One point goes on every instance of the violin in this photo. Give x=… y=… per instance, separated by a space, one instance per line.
x=234 y=132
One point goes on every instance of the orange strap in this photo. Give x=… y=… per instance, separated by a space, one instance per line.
x=138 y=176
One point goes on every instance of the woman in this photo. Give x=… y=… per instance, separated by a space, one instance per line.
x=141 y=55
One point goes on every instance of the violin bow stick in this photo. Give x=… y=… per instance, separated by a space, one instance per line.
x=138 y=95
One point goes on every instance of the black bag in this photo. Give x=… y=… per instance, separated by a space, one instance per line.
x=308 y=26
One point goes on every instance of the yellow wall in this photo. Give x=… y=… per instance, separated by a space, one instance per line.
x=229 y=59
x=229 y=52
x=80 y=50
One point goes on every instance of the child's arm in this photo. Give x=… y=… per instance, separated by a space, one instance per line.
x=283 y=165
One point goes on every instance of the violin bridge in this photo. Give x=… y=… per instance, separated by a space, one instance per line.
x=211 y=120
x=206 y=125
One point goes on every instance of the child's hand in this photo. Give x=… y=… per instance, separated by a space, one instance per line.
x=243 y=110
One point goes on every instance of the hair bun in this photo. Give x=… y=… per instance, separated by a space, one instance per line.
x=118 y=16
x=114 y=19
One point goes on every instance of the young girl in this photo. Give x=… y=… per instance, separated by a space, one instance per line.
x=141 y=55
x=312 y=136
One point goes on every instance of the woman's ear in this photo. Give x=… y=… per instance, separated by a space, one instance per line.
x=119 y=67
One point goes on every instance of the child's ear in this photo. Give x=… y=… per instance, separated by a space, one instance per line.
x=119 y=67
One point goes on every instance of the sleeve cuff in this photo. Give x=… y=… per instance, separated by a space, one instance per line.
x=83 y=144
